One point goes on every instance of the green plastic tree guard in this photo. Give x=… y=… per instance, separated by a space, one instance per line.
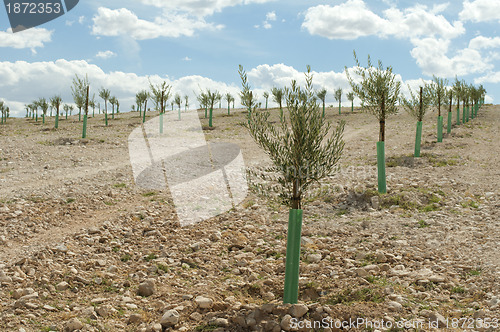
x=472 y=112
x=144 y=116
x=179 y=113
x=467 y=113
x=161 y=123
x=229 y=109
x=340 y=108
x=449 y=123
x=418 y=139
x=206 y=111
x=458 y=115
x=79 y=116
x=440 y=129
x=323 y=110
x=292 y=262
x=382 y=185
x=210 y=118
x=57 y=121
x=43 y=118
x=106 y=118
x=463 y=115
x=84 y=134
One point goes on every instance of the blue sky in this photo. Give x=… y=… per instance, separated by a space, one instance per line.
x=195 y=44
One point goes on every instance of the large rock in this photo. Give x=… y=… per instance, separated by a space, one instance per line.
x=169 y=318
x=147 y=288
x=437 y=320
x=73 y=324
x=298 y=310
x=204 y=302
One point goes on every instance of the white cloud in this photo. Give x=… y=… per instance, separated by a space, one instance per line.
x=197 y=7
x=492 y=77
x=123 y=22
x=353 y=19
x=186 y=59
x=430 y=54
x=30 y=38
x=264 y=77
x=480 y=11
x=81 y=19
x=349 y=20
x=105 y=54
x=271 y=16
x=481 y=42
x=69 y=23
x=22 y=82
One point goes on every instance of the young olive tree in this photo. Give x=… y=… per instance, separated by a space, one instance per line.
x=42 y=103
x=178 y=102
x=229 y=98
x=278 y=97
x=457 y=91
x=160 y=94
x=417 y=106
x=79 y=90
x=321 y=94
x=203 y=101
x=338 y=97
x=3 y=111
x=378 y=91
x=56 y=102
x=212 y=98
x=303 y=151
x=350 y=97
x=266 y=97
x=105 y=94
x=112 y=101
x=439 y=98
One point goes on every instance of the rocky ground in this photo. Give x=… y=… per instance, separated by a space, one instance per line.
x=83 y=249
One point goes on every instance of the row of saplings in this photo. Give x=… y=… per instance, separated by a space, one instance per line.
x=303 y=150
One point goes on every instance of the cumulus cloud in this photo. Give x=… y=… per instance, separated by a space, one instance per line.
x=24 y=81
x=492 y=77
x=480 y=11
x=198 y=8
x=270 y=17
x=30 y=38
x=353 y=19
x=123 y=22
x=265 y=77
x=481 y=42
x=105 y=54
x=430 y=54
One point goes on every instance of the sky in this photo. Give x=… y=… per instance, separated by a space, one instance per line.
x=198 y=44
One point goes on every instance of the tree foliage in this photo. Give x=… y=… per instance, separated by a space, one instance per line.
x=301 y=146
x=412 y=104
x=160 y=93
x=378 y=88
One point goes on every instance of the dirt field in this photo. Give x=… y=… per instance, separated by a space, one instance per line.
x=82 y=248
